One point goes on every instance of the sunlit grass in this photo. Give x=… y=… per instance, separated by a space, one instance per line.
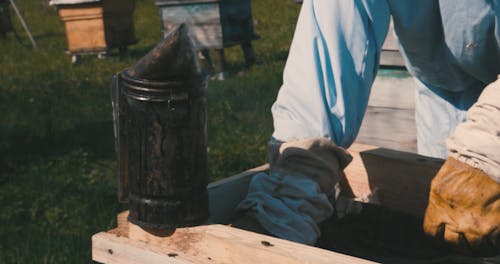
x=58 y=167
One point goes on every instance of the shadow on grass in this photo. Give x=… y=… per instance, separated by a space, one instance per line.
x=134 y=51
x=96 y=138
x=280 y=55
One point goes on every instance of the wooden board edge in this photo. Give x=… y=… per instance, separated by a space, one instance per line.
x=396 y=179
x=110 y=248
x=224 y=195
x=210 y=244
x=238 y=177
x=367 y=173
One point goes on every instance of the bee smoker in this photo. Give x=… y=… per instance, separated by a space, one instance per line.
x=159 y=113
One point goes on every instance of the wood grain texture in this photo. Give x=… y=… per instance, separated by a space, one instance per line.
x=84 y=28
x=400 y=180
x=390 y=49
x=392 y=58
x=203 y=20
x=379 y=122
x=389 y=120
x=209 y=244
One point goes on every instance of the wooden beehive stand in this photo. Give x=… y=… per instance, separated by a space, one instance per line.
x=401 y=180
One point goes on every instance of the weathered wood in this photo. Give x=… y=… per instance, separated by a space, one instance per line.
x=392 y=58
x=208 y=244
x=400 y=180
x=202 y=18
x=390 y=50
x=393 y=88
x=382 y=121
x=391 y=111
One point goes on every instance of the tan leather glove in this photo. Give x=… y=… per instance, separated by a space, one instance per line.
x=464 y=209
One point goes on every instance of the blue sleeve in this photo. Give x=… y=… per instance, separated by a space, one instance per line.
x=331 y=66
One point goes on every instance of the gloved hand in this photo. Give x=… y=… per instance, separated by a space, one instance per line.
x=464 y=201
x=464 y=209
x=295 y=195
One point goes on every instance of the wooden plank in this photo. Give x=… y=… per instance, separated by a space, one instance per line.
x=389 y=120
x=191 y=14
x=68 y=12
x=356 y=171
x=209 y=244
x=400 y=180
x=379 y=122
x=207 y=36
x=390 y=55
x=392 y=58
x=393 y=89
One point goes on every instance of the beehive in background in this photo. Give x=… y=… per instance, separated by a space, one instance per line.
x=94 y=26
x=213 y=23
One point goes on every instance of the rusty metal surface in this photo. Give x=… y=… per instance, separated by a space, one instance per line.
x=160 y=122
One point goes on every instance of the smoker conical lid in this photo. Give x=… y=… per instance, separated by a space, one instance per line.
x=173 y=59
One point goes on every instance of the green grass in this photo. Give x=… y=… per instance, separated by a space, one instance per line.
x=57 y=160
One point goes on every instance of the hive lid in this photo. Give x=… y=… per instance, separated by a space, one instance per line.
x=72 y=2
x=183 y=2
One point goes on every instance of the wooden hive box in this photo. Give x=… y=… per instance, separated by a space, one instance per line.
x=390 y=55
x=84 y=27
x=400 y=179
x=214 y=24
x=94 y=27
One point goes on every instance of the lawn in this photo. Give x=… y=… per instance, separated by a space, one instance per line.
x=58 y=166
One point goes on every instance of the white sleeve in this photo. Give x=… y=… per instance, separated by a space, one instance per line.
x=477 y=140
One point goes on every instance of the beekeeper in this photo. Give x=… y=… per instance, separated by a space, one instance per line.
x=451 y=47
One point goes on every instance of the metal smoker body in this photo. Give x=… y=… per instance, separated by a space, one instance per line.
x=159 y=109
